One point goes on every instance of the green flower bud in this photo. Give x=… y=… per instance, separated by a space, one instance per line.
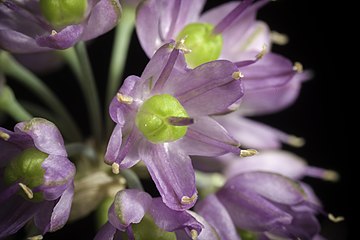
x=205 y=46
x=61 y=13
x=153 y=119
x=148 y=230
x=26 y=169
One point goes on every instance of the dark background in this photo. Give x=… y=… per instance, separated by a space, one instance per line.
x=307 y=27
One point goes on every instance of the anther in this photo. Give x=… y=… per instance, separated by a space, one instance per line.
x=194 y=234
x=295 y=141
x=335 y=219
x=298 y=67
x=262 y=53
x=4 y=136
x=37 y=237
x=181 y=45
x=237 y=75
x=27 y=190
x=189 y=200
x=124 y=98
x=330 y=175
x=248 y=152
x=115 y=168
x=279 y=38
x=53 y=33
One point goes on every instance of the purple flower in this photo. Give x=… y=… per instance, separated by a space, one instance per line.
x=33 y=26
x=163 y=117
x=37 y=178
x=143 y=217
x=261 y=202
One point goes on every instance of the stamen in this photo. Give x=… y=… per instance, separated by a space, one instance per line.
x=295 y=141
x=298 y=67
x=180 y=121
x=262 y=53
x=115 y=168
x=37 y=237
x=330 y=175
x=189 y=200
x=279 y=38
x=4 y=136
x=194 y=234
x=124 y=98
x=53 y=33
x=248 y=152
x=335 y=219
x=27 y=190
x=181 y=46
x=237 y=75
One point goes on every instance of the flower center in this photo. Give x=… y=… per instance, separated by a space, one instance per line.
x=61 y=13
x=205 y=46
x=162 y=118
x=27 y=171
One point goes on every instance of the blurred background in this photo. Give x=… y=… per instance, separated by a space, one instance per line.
x=305 y=24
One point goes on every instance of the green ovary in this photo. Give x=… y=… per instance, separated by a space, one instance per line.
x=152 y=119
x=26 y=168
x=61 y=13
x=205 y=46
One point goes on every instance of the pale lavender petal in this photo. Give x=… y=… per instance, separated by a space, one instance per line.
x=59 y=173
x=18 y=42
x=103 y=17
x=45 y=135
x=199 y=90
x=106 y=232
x=270 y=100
x=248 y=210
x=207 y=138
x=208 y=232
x=215 y=213
x=66 y=38
x=114 y=144
x=271 y=186
x=277 y=161
x=172 y=172
x=171 y=220
x=129 y=207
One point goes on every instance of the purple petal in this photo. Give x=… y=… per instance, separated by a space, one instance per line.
x=129 y=207
x=66 y=38
x=17 y=42
x=171 y=220
x=103 y=17
x=270 y=100
x=41 y=62
x=208 y=232
x=12 y=145
x=172 y=172
x=106 y=232
x=199 y=90
x=6 y=192
x=248 y=210
x=207 y=138
x=272 y=186
x=45 y=135
x=59 y=174
x=215 y=213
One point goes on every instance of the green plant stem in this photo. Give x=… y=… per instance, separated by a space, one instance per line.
x=83 y=71
x=132 y=179
x=12 y=68
x=122 y=39
x=12 y=107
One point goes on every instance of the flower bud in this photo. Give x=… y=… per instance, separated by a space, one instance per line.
x=61 y=13
x=153 y=118
x=26 y=169
x=205 y=46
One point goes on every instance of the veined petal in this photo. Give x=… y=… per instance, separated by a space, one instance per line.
x=199 y=90
x=41 y=130
x=66 y=38
x=215 y=213
x=129 y=207
x=207 y=138
x=103 y=17
x=172 y=172
x=106 y=232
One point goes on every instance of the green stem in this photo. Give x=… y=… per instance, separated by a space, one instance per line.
x=12 y=68
x=11 y=106
x=122 y=39
x=132 y=179
x=82 y=69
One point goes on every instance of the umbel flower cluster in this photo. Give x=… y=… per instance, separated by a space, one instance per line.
x=182 y=124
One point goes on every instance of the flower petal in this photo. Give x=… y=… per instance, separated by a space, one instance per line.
x=207 y=138
x=45 y=135
x=172 y=172
x=199 y=90
x=215 y=213
x=129 y=207
x=103 y=17
x=17 y=42
x=106 y=232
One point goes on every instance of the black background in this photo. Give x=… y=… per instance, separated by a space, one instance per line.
x=307 y=26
